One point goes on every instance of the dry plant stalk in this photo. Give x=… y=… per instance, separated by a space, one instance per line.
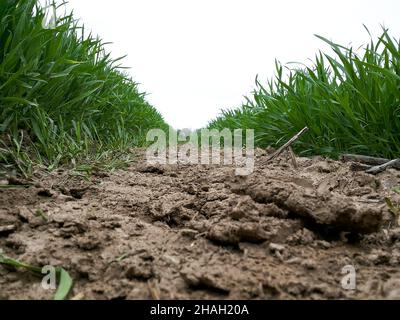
x=373 y=161
x=288 y=144
x=293 y=157
x=376 y=165
x=383 y=167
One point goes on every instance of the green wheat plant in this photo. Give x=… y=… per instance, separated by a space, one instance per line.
x=350 y=101
x=65 y=281
x=63 y=97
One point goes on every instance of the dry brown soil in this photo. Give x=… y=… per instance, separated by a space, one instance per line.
x=200 y=232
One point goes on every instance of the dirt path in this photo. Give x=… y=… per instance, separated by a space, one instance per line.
x=178 y=232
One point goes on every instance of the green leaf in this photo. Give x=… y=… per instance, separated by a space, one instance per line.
x=19 y=100
x=16 y=264
x=64 y=286
x=65 y=280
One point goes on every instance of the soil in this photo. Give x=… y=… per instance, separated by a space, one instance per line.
x=200 y=232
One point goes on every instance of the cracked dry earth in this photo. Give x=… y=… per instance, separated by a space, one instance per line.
x=200 y=232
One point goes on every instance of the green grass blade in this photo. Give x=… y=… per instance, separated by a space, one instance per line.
x=64 y=286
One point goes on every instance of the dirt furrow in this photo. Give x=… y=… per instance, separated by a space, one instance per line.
x=200 y=232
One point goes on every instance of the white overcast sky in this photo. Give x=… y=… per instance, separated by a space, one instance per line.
x=196 y=57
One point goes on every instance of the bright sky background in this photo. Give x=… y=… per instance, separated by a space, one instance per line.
x=194 y=58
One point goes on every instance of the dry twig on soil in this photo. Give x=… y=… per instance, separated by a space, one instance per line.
x=383 y=167
x=288 y=144
x=373 y=161
x=378 y=164
x=293 y=157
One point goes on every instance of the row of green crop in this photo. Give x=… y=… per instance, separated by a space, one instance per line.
x=62 y=97
x=349 y=100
